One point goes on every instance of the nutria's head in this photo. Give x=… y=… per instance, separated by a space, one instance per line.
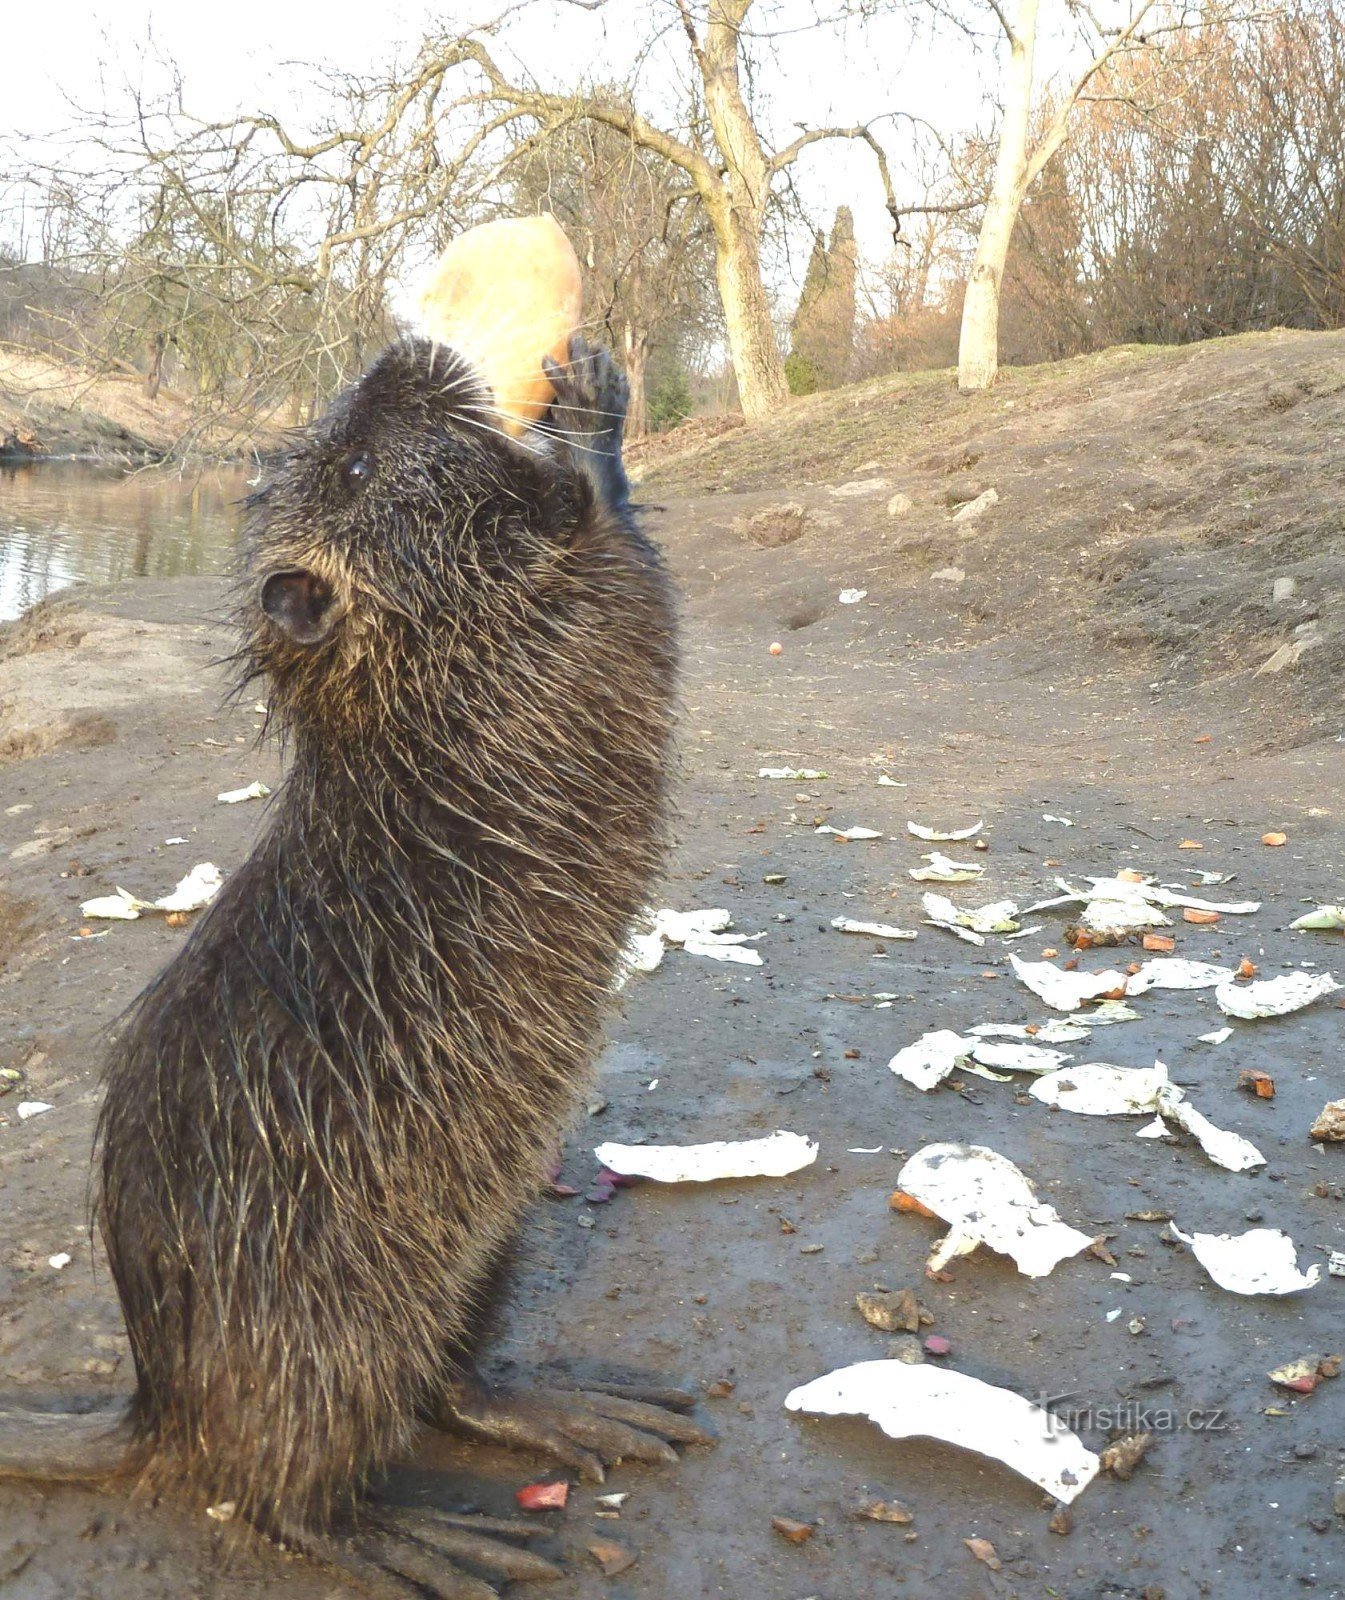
x=399 y=529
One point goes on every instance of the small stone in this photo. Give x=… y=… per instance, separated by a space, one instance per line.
x=858 y=488
x=1122 y=1457
x=977 y=507
x=788 y=1528
x=937 y=1345
x=885 y=1511
x=1284 y=589
x=948 y=575
x=1338 y=1498
x=1305 y=1451
x=892 y=1311
x=984 y=1551
x=612 y=1557
x=1062 y=1520
x=899 y=505
x=1330 y=1124
x=908 y=1350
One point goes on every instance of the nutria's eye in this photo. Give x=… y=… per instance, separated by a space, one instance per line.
x=359 y=469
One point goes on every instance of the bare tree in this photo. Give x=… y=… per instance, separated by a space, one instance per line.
x=727 y=164
x=1020 y=158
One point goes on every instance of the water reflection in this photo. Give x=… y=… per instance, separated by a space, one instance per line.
x=63 y=522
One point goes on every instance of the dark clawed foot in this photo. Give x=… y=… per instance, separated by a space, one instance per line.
x=407 y=1555
x=588 y=1430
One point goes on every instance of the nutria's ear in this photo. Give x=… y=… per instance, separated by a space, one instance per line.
x=301 y=605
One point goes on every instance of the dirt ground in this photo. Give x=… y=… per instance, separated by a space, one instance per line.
x=1095 y=661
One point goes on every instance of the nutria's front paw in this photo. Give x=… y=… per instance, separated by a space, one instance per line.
x=589 y=414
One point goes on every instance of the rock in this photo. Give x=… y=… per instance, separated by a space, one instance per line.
x=948 y=575
x=788 y=1528
x=1122 y=1457
x=1330 y=1124
x=1338 y=1499
x=937 y=1345
x=962 y=490
x=892 y=1311
x=857 y=488
x=885 y=1511
x=977 y=507
x=984 y=1551
x=773 y=526
x=1284 y=589
x=1061 y=1520
x=908 y=1350
x=612 y=1557
x=1307 y=636
x=900 y=505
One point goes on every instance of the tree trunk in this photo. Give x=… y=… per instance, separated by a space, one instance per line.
x=736 y=205
x=978 y=344
x=637 y=409
x=154 y=377
x=757 y=363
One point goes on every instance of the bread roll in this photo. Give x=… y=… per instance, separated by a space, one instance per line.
x=504 y=295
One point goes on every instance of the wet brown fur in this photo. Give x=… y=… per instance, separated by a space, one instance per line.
x=324 y=1120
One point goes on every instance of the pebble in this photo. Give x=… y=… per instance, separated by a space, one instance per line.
x=899 y=505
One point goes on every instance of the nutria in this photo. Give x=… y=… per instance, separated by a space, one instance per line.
x=325 y=1118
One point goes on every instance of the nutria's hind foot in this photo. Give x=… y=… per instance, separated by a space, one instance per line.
x=410 y=1554
x=588 y=1430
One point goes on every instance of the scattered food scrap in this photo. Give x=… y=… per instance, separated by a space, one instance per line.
x=986 y=1200
x=543 y=1496
x=943 y=836
x=773 y=1157
x=928 y=1061
x=254 y=791
x=1261 y=1084
x=798 y=774
x=31 y=1108
x=792 y=1529
x=1274 y=997
x=851 y=597
x=1324 y=919
x=1099 y=1089
x=942 y=870
x=1304 y=1374
x=699 y=933
x=1067 y=991
x=849 y=835
x=996 y=917
x=876 y=930
x=1260 y=1261
x=925 y=1402
x=196 y=890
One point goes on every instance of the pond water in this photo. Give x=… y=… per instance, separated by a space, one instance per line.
x=67 y=522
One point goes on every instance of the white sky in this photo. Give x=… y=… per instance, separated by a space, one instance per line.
x=250 y=54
